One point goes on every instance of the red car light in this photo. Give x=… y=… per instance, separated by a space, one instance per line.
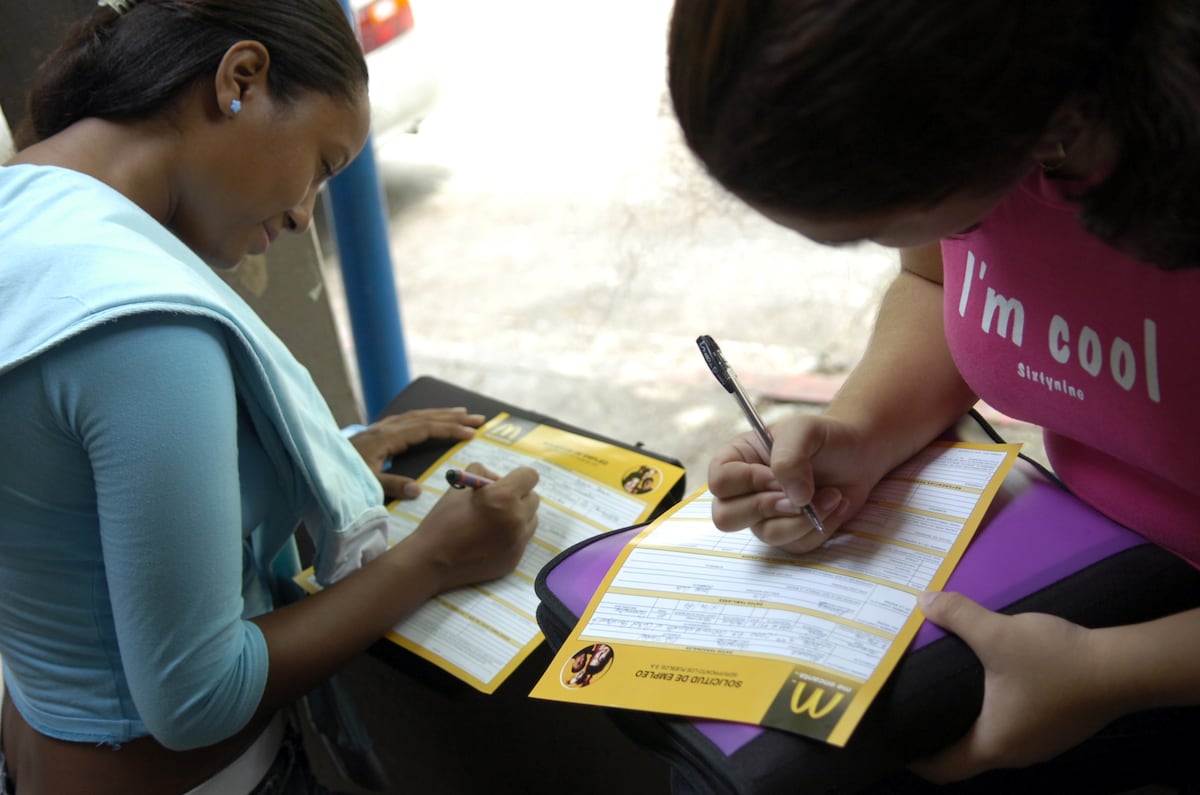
x=382 y=21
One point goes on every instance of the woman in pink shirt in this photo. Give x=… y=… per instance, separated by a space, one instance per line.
x=1038 y=166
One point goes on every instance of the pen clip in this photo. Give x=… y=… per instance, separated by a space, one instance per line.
x=715 y=361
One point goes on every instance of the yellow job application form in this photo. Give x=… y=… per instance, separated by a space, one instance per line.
x=481 y=633
x=694 y=621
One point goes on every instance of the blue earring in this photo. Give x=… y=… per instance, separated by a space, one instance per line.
x=235 y=106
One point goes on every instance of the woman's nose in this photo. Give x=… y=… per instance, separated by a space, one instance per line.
x=300 y=216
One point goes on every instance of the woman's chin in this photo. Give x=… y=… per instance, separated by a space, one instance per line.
x=225 y=261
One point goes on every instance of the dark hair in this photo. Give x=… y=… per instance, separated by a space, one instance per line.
x=134 y=64
x=847 y=107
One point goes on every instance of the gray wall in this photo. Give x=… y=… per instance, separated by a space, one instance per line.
x=287 y=290
x=29 y=32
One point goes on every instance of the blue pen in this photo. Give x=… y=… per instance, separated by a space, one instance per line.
x=725 y=375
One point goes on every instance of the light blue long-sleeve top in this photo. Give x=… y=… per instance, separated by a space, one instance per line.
x=126 y=506
x=158 y=445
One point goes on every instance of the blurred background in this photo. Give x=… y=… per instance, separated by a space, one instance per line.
x=556 y=246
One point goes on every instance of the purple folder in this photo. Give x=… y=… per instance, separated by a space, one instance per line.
x=1034 y=534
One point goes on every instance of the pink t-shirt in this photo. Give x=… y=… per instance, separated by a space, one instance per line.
x=1051 y=326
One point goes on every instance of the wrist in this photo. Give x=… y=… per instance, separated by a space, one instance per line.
x=410 y=562
x=872 y=443
x=1135 y=667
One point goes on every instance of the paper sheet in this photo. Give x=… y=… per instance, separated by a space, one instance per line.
x=481 y=633
x=698 y=622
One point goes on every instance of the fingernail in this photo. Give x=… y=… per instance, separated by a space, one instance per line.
x=412 y=490
x=828 y=501
x=785 y=506
x=795 y=500
x=926 y=599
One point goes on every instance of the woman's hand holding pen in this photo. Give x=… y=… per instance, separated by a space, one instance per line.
x=478 y=534
x=393 y=435
x=761 y=491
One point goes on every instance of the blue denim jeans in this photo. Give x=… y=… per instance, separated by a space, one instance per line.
x=5 y=785
x=289 y=774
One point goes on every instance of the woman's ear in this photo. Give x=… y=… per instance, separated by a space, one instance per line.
x=241 y=77
x=1065 y=126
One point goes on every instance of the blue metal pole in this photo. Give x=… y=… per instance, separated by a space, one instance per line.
x=360 y=226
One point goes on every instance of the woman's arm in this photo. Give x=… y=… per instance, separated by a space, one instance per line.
x=471 y=535
x=152 y=402
x=157 y=414
x=906 y=389
x=902 y=394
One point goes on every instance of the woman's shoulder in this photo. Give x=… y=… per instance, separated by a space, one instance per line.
x=143 y=359
x=148 y=342
x=156 y=375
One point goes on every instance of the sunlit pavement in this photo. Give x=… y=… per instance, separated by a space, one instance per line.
x=556 y=246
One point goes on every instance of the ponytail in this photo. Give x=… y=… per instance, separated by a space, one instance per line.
x=65 y=83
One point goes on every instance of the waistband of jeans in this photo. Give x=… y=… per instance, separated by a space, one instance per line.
x=244 y=773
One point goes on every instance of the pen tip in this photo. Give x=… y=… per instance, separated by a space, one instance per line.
x=816 y=520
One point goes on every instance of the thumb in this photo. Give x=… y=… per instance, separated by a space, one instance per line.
x=955 y=613
x=523 y=479
x=398 y=487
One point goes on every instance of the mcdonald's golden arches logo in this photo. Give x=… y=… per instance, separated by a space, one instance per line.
x=814 y=705
x=809 y=704
x=510 y=430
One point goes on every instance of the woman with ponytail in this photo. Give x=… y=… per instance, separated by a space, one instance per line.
x=159 y=445
x=1037 y=164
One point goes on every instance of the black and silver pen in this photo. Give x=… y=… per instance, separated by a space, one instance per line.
x=728 y=379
